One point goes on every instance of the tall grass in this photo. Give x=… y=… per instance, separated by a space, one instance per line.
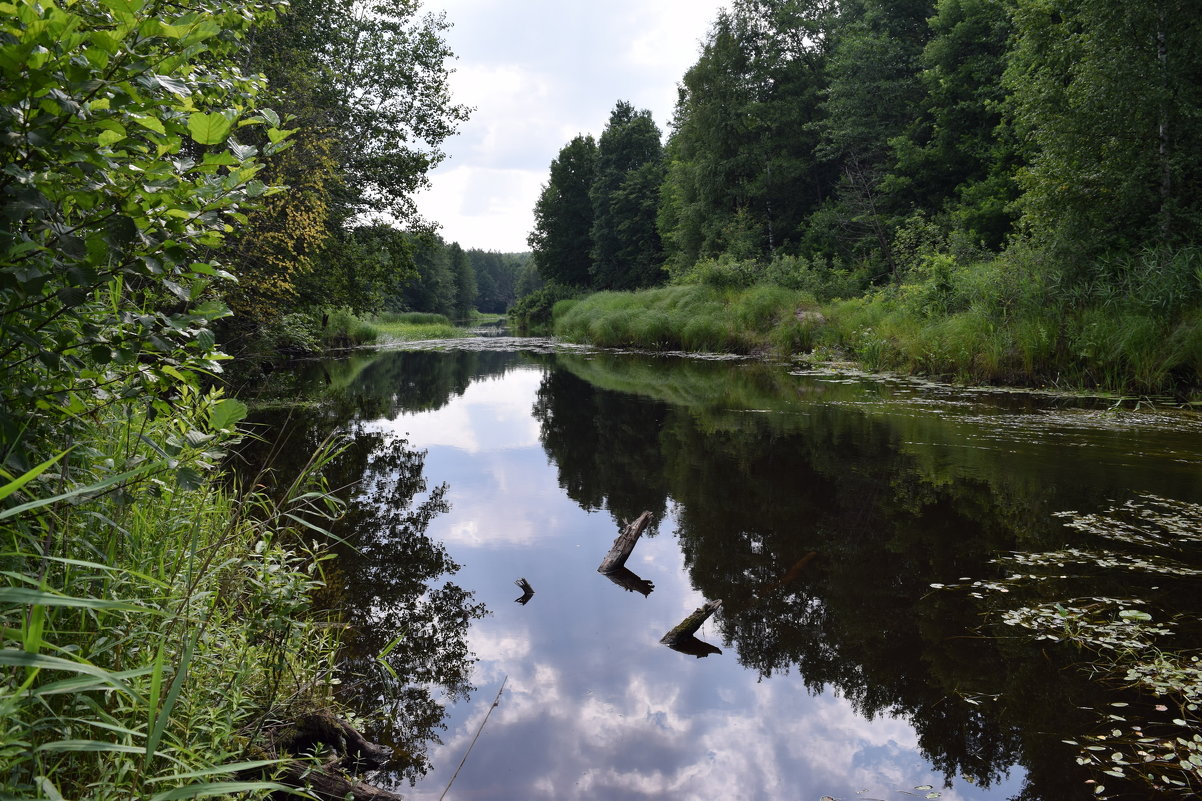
x=1011 y=321
x=151 y=619
x=696 y=317
x=412 y=326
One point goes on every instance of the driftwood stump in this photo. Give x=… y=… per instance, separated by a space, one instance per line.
x=681 y=637
x=624 y=544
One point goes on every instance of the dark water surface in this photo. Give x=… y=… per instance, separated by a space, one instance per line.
x=818 y=507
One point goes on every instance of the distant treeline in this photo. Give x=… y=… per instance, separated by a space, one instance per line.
x=446 y=279
x=1012 y=159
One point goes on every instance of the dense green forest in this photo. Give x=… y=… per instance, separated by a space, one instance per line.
x=1004 y=190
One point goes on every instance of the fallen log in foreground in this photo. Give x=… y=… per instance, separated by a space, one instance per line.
x=328 y=780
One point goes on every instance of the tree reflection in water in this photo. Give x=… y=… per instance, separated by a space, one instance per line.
x=821 y=534
x=386 y=585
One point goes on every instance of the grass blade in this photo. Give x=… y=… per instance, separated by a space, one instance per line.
x=233 y=767
x=177 y=684
x=29 y=475
x=23 y=595
x=88 y=746
x=206 y=789
x=108 y=482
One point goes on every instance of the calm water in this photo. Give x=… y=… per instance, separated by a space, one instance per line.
x=818 y=507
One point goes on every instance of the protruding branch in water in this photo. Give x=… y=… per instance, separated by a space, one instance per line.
x=527 y=591
x=624 y=544
x=681 y=637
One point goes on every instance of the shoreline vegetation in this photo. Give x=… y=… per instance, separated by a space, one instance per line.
x=987 y=324
x=165 y=167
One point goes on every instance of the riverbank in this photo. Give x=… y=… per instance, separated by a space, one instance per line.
x=158 y=627
x=1115 y=348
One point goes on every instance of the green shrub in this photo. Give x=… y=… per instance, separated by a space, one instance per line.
x=534 y=312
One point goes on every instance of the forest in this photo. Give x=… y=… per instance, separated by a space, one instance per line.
x=993 y=190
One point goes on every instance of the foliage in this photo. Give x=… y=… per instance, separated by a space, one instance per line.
x=625 y=192
x=1105 y=98
x=532 y=312
x=562 y=240
x=121 y=170
x=742 y=174
x=465 y=282
x=153 y=621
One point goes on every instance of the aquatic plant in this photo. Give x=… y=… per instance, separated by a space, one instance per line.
x=1156 y=738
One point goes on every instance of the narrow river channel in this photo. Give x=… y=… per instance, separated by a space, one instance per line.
x=851 y=526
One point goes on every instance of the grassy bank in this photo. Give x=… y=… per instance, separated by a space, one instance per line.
x=414 y=326
x=154 y=622
x=692 y=318
x=994 y=322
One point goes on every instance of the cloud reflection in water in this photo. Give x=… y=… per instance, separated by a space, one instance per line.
x=595 y=707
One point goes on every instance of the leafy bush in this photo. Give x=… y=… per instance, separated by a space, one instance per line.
x=535 y=312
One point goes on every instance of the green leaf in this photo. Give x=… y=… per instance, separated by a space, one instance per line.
x=151 y=123
x=226 y=413
x=110 y=137
x=209 y=129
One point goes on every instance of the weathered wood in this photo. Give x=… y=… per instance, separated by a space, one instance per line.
x=627 y=580
x=624 y=544
x=327 y=781
x=681 y=638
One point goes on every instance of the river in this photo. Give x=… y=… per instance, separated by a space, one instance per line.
x=888 y=553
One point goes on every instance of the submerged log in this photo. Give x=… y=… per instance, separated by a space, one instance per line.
x=627 y=580
x=681 y=637
x=624 y=544
x=327 y=781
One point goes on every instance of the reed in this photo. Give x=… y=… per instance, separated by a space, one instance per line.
x=152 y=619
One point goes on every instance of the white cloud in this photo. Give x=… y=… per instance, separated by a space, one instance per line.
x=538 y=72
x=492 y=415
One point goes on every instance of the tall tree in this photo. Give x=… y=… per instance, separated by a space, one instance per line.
x=367 y=82
x=465 y=282
x=741 y=171
x=872 y=96
x=1105 y=96
x=563 y=216
x=626 y=250
x=958 y=157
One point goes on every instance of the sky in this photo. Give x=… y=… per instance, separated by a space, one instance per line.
x=537 y=73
